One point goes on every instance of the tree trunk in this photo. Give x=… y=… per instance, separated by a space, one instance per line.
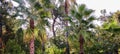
x=43 y=48
x=67 y=43
x=66 y=24
x=32 y=46
x=66 y=6
x=1 y=42
x=32 y=39
x=67 y=48
x=81 y=42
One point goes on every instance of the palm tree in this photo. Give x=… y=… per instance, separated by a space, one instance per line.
x=37 y=12
x=81 y=23
x=40 y=11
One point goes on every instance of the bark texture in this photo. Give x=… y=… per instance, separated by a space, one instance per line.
x=32 y=40
x=81 y=41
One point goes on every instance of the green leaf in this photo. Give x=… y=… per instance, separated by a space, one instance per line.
x=91 y=26
x=73 y=12
x=70 y=19
x=79 y=16
x=91 y=18
x=84 y=22
x=88 y=12
x=81 y=8
x=38 y=5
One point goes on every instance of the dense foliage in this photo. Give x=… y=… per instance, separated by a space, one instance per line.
x=62 y=27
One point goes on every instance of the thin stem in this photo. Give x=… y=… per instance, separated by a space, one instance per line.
x=53 y=27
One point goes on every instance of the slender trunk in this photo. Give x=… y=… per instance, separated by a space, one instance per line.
x=32 y=46
x=66 y=6
x=66 y=24
x=0 y=38
x=67 y=48
x=67 y=43
x=43 y=48
x=53 y=27
x=0 y=29
x=32 y=39
x=81 y=42
x=1 y=43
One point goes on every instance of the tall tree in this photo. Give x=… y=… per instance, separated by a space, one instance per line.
x=5 y=7
x=66 y=24
x=82 y=23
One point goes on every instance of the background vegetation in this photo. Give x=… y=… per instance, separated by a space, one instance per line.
x=62 y=27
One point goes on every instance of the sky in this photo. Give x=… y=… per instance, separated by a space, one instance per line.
x=97 y=5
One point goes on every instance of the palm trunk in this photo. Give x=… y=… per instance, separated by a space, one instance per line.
x=81 y=42
x=32 y=46
x=66 y=24
x=32 y=40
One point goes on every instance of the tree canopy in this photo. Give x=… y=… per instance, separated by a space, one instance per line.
x=56 y=27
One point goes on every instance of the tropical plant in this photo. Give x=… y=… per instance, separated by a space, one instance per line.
x=81 y=22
